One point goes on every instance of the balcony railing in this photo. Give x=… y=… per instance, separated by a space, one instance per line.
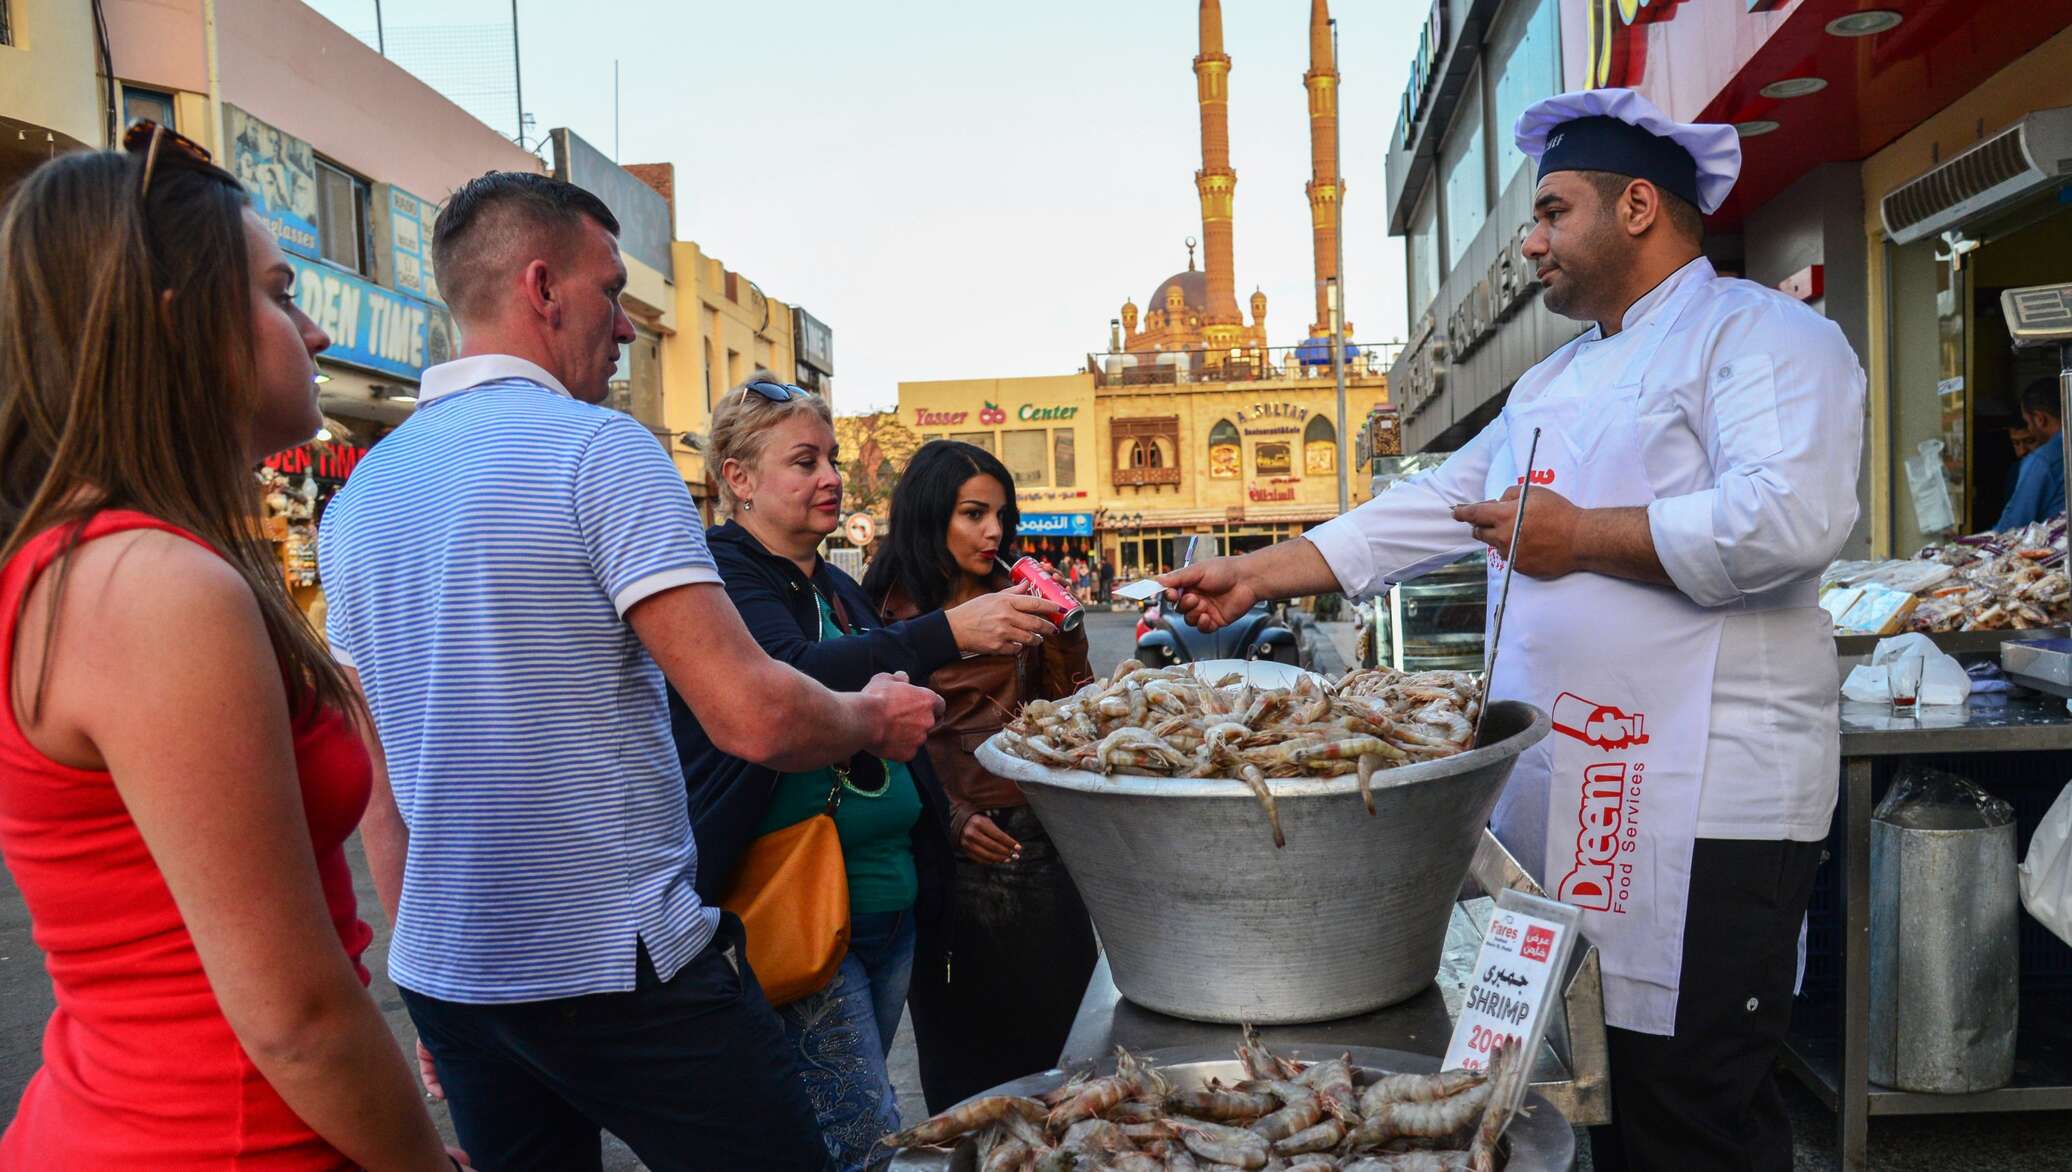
x=1127 y=477
x=1302 y=363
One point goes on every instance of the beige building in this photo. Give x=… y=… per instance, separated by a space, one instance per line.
x=1128 y=461
x=721 y=328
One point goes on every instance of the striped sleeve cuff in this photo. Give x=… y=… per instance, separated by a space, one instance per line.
x=641 y=589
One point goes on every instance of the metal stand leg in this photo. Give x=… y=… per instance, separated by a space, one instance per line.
x=1852 y=1094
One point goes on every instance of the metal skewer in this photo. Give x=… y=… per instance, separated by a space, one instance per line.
x=1503 y=598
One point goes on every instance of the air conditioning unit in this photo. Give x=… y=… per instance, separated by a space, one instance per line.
x=2027 y=157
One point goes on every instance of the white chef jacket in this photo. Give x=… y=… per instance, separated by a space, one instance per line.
x=1751 y=414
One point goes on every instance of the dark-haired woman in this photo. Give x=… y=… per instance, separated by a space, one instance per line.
x=179 y=768
x=1021 y=947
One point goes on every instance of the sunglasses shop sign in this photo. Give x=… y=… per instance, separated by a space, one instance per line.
x=371 y=327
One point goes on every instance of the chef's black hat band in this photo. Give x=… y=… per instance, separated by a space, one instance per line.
x=1601 y=143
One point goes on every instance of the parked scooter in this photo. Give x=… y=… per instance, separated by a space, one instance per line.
x=1165 y=637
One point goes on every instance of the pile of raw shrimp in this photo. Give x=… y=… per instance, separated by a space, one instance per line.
x=1300 y=1117
x=1167 y=722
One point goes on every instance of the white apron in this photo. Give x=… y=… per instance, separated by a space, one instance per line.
x=1604 y=810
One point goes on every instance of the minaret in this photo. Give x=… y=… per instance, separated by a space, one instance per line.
x=1325 y=188
x=1222 y=323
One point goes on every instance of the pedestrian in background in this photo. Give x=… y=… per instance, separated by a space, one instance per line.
x=1021 y=946
x=1104 y=573
x=180 y=771
x=780 y=479
x=529 y=833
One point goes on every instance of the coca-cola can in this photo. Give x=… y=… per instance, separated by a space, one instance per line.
x=1029 y=571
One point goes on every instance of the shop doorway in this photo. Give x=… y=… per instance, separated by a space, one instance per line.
x=1956 y=378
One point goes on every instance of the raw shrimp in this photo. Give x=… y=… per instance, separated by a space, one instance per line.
x=1004 y=1153
x=1136 y=1111
x=1221 y=1106
x=1225 y=1145
x=1508 y=1065
x=1419 y=1088
x=1257 y=780
x=963 y=1120
x=1333 y=1081
x=1130 y=1080
x=1260 y=1062
x=1302 y=1111
x=1419 y=1119
x=1320 y=1138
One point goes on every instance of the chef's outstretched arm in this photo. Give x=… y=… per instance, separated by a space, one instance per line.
x=1400 y=534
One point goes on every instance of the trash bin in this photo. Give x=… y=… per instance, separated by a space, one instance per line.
x=1944 y=950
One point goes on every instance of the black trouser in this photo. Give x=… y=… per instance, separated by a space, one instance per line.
x=693 y=1073
x=1021 y=950
x=1707 y=1099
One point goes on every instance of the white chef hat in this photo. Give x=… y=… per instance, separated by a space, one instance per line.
x=1618 y=130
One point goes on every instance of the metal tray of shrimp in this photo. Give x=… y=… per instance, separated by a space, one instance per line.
x=1539 y=1138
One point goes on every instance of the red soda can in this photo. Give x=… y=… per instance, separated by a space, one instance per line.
x=1029 y=571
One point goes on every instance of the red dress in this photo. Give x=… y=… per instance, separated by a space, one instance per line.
x=140 y=1069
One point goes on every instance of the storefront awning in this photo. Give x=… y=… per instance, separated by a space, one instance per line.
x=1832 y=98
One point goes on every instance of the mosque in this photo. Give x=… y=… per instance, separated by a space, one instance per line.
x=1197 y=311
x=1189 y=426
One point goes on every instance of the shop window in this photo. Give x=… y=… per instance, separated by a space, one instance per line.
x=1064 y=457
x=1463 y=164
x=981 y=439
x=1526 y=65
x=1422 y=247
x=636 y=384
x=711 y=372
x=137 y=104
x=1026 y=454
x=342 y=217
x=1320 y=447
x=1272 y=460
x=1226 y=451
x=1146 y=451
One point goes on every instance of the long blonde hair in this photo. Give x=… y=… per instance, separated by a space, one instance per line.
x=116 y=396
x=741 y=427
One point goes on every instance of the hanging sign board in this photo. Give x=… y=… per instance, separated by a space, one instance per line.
x=1517 y=974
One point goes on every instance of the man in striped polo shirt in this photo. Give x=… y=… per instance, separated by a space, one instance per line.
x=511 y=575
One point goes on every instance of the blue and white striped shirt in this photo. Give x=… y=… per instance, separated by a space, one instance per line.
x=478 y=567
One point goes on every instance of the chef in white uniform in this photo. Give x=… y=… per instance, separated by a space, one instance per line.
x=1696 y=470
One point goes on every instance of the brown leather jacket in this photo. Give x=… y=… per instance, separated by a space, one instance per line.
x=982 y=693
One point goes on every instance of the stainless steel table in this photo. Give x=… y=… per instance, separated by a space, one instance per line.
x=1838 y=1070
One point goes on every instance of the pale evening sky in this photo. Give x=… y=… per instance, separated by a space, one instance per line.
x=965 y=188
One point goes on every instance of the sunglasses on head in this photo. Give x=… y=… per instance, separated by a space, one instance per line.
x=777 y=392
x=146 y=137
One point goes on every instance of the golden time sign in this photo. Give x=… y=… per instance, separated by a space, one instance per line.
x=1617 y=47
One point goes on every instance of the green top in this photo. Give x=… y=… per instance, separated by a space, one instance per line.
x=877 y=850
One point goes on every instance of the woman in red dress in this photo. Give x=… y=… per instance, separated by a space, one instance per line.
x=178 y=769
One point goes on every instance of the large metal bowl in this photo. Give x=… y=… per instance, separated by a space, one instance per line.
x=1204 y=919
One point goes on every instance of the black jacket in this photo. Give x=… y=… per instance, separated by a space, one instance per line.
x=729 y=796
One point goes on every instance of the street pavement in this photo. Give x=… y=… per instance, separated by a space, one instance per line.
x=2003 y=1143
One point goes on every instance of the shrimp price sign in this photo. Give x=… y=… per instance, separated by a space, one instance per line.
x=1518 y=970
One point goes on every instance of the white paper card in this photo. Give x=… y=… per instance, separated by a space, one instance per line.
x=1524 y=953
x=1141 y=590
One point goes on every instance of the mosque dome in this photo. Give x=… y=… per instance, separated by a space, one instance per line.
x=1194 y=290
